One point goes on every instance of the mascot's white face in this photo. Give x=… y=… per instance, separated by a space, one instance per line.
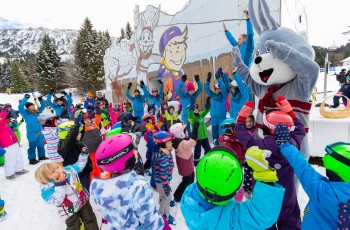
x=267 y=70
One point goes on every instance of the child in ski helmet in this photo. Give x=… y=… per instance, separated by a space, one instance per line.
x=229 y=139
x=133 y=206
x=169 y=114
x=184 y=155
x=325 y=194
x=163 y=172
x=62 y=105
x=62 y=188
x=50 y=123
x=194 y=115
x=219 y=177
x=290 y=213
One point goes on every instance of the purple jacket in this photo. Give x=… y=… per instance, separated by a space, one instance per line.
x=285 y=172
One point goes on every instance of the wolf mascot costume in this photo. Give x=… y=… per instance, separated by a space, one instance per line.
x=283 y=64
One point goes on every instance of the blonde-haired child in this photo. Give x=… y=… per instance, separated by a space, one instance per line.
x=60 y=186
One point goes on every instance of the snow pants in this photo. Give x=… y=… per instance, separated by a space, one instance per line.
x=36 y=140
x=289 y=218
x=164 y=205
x=198 y=149
x=216 y=129
x=186 y=181
x=87 y=216
x=13 y=160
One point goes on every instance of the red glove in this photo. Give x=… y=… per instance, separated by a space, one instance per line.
x=245 y=111
x=284 y=105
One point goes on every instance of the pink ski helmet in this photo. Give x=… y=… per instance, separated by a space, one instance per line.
x=113 y=153
x=271 y=119
x=154 y=90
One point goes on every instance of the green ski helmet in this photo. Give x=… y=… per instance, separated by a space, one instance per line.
x=337 y=161
x=114 y=132
x=219 y=175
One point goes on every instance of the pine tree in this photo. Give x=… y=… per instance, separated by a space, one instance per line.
x=18 y=82
x=47 y=67
x=128 y=31
x=5 y=74
x=89 y=59
x=122 y=35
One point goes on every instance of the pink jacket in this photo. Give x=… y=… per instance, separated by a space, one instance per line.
x=114 y=114
x=8 y=137
x=184 y=157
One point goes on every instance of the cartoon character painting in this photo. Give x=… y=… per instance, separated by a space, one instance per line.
x=283 y=64
x=172 y=48
x=145 y=23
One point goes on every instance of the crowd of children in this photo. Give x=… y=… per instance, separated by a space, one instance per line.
x=243 y=182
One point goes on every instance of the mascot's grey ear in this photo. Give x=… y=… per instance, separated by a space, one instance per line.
x=260 y=16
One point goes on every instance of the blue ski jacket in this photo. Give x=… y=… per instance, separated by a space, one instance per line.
x=31 y=119
x=218 y=105
x=247 y=47
x=138 y=102
x=324 y=195
x=186 y=97
x=154 y=99
x=261 y=212
x=238 y=99
x=59 y=108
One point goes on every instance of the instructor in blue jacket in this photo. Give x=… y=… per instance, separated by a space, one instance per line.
x=34 y=135
x=217 y=111
x=187 y=97
x=138 y=102
x=62 y=105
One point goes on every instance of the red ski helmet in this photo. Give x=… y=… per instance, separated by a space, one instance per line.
x=271 y=119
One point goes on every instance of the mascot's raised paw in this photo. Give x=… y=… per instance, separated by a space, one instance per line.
x=277 y=49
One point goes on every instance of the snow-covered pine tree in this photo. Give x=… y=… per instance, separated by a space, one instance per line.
x=18 y=82
x=47 y=66
x=5 y=74
x=122 y=35
x=128 y=31
x=89 y=59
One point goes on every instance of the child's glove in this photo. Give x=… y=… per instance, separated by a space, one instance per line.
x=284 y=105
x=207 y=104
x=160 y=81
x=282 y=134
x=63 y=92
x=196 y=77
x=184 y=78
x=167 y=189
x=209 y=76
x=245 y=111
x=27 y=95
x=84 y=151
x=129 y=85
x=40 y=98
x=147 y=164
x=218 y=73
x=256 y=159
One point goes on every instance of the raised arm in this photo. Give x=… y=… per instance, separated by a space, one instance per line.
x=199 y=90
x=179 y=90
x=161 y=91
x=127 y=93
x=22 y=109
x=309 y=178
x=42 y=105
x=230 y=38
x=49 y=102
x=207 y=89
x=223 y=88
x=247 y=59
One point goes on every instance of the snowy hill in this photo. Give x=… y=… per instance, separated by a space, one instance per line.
x=20 y=42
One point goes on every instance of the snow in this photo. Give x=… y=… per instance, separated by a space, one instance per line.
x=27 y=210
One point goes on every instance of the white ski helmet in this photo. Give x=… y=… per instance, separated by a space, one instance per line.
x=178 y=130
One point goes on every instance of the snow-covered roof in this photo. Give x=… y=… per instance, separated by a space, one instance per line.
x=346 y=59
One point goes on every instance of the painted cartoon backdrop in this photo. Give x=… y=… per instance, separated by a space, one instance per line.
x=167 y=46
